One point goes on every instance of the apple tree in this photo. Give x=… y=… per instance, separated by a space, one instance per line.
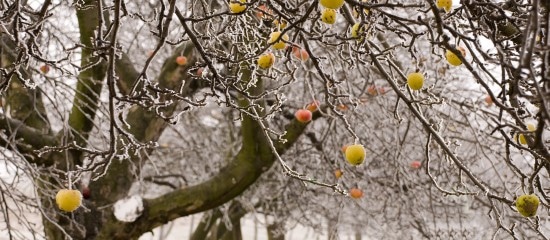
x=244 y=107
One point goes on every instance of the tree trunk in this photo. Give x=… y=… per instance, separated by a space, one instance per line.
x=205 y=225
x=274 y=232
x=357 y=235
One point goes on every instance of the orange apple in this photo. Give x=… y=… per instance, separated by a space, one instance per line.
x=343 y=107
x=488 y=100
x=44 y=68
x=355 y=193
x=344 y=148
x=303 y=115
x=181 y=60
x=372 y=90
x=338 y=173
x=313 y=106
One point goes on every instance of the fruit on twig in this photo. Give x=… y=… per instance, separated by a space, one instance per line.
x=356 y=193
x=521 y=138
x=343 y=107
x=303 y=115
x=338 y=173
x=181 y=60
x=44 y=68
x=333 y=4
x=313 y=106
x=200 y=71
x=453 y=58
x=300 y=53
x=445 y=4
x=237 y=6
x=280 y=24
x=329 y=16
x=488 y=100
x=357 y=31
x=344 y=148
x=356 y=10
x=68 y=200
x=372 y=90
x=527 y=205
x=280 y=44
x=266 y=60
x=416 y=164
x=415 y=80
x=355 y=154
x=263 y=12
x=86 y=192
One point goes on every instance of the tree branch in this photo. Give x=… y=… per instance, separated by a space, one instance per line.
x=32 y=138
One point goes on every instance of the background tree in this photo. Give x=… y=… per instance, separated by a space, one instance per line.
x=168 y=101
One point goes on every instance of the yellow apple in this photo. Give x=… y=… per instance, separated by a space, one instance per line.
x=446 y=4
x=521 y=138
x=453 y=58
x=68 y=200
x=279 y=24
x=356 y=13
x=527 y=205
x=355 y=154
x=237 y=6
x=357 y=31
x=266 y=60
x=333 y=4
x=415 y=80
x=329 y=16
x=279 y=44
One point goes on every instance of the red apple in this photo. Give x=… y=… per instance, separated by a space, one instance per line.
x=181 y=60
x=263 y=12
x=86 y=192
x=200 y=71
x=416 y=164
x=300 y=53
x=303 y=115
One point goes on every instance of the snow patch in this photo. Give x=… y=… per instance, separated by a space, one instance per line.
x=128 y=209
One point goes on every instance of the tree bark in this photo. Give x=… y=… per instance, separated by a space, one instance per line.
x=274 y=232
